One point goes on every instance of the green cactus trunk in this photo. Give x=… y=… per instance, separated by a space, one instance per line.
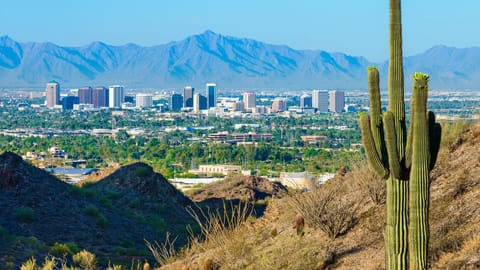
x=419 y=175
x=397 y=186
x=397 y=222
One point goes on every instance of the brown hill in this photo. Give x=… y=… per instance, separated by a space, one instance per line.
x=110 y=218
x=344 y=221
x=239 y=187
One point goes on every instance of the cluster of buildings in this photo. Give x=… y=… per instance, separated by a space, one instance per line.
x=324 y=101
x=190 y=100
x=194 y=101
x=88 y=97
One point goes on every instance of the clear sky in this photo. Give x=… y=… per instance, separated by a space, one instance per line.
x=352 y=26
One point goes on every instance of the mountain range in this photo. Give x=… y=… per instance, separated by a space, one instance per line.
x=231 y=62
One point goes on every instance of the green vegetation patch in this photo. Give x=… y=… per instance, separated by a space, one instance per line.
x=24 y=214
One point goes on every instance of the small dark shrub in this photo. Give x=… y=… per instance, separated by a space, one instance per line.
x=24 y=214
x=142 y=171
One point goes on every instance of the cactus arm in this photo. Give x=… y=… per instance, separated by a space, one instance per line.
x=376 y=113
x=435 y=134
x=391 y=142
x=419 y=176
x=370 y=150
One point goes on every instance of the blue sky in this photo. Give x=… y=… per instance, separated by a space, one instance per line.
x=351 y=26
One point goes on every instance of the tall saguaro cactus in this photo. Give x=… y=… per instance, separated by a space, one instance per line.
x=399 y=158
x=425 y=144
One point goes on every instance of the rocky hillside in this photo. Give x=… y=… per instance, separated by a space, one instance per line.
x=239 y=187
x=344 y=221
x=110 y=218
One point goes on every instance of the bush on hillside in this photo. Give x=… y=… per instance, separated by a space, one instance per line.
x=326 y=210
x=24 y=214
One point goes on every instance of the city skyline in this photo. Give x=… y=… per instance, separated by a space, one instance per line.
x=358 y=28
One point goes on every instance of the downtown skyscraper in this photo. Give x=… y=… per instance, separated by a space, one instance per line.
x=337 y=101
x=52 y=94
x=188 y=93
x=320 y=100
x=116 y=96
x=211 y=95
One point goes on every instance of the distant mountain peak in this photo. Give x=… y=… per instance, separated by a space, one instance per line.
x=229 y=61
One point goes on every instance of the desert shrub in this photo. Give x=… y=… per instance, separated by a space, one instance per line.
x=160 y=208
x=50 y=263
x=24 y=214
x=159 y=223
x=31 y=264
x=59 y=249
x=451 y=132
x=368 y=182
x=115 y=267
x=101 y=221
x=142 y=171
x=83 y=191
x=326 y=210
x=91 y=210
x=3 y=232
x=164 y=253
x=85 y=260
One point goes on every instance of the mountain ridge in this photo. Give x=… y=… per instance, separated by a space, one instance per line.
x=229 y=61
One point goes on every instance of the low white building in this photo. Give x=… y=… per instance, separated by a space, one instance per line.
x=298 y=180
x=217 y=169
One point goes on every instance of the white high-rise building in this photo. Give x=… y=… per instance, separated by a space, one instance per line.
x=337 y=101
x=249 y=100
x=116 y=96
x=320 y=100
x=144 y=101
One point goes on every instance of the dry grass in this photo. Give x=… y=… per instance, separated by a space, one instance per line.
x=163 y=253
x=468 y=256
x=222 y=233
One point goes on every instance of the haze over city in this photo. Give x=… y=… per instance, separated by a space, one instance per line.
x=354 y=27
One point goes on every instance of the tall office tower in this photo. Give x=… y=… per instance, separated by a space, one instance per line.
x=85 y=95
x=250 y=100
x=68 y=101
x=188 y=93
x=211 y=95
x=144 y=101
x=320 y=100
x=199 y=102
x=116 y=96
x=100 y=97
x=305 y=101
x=176 y=102
x=279 y=105
x=52 y=93
x=337 y=101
